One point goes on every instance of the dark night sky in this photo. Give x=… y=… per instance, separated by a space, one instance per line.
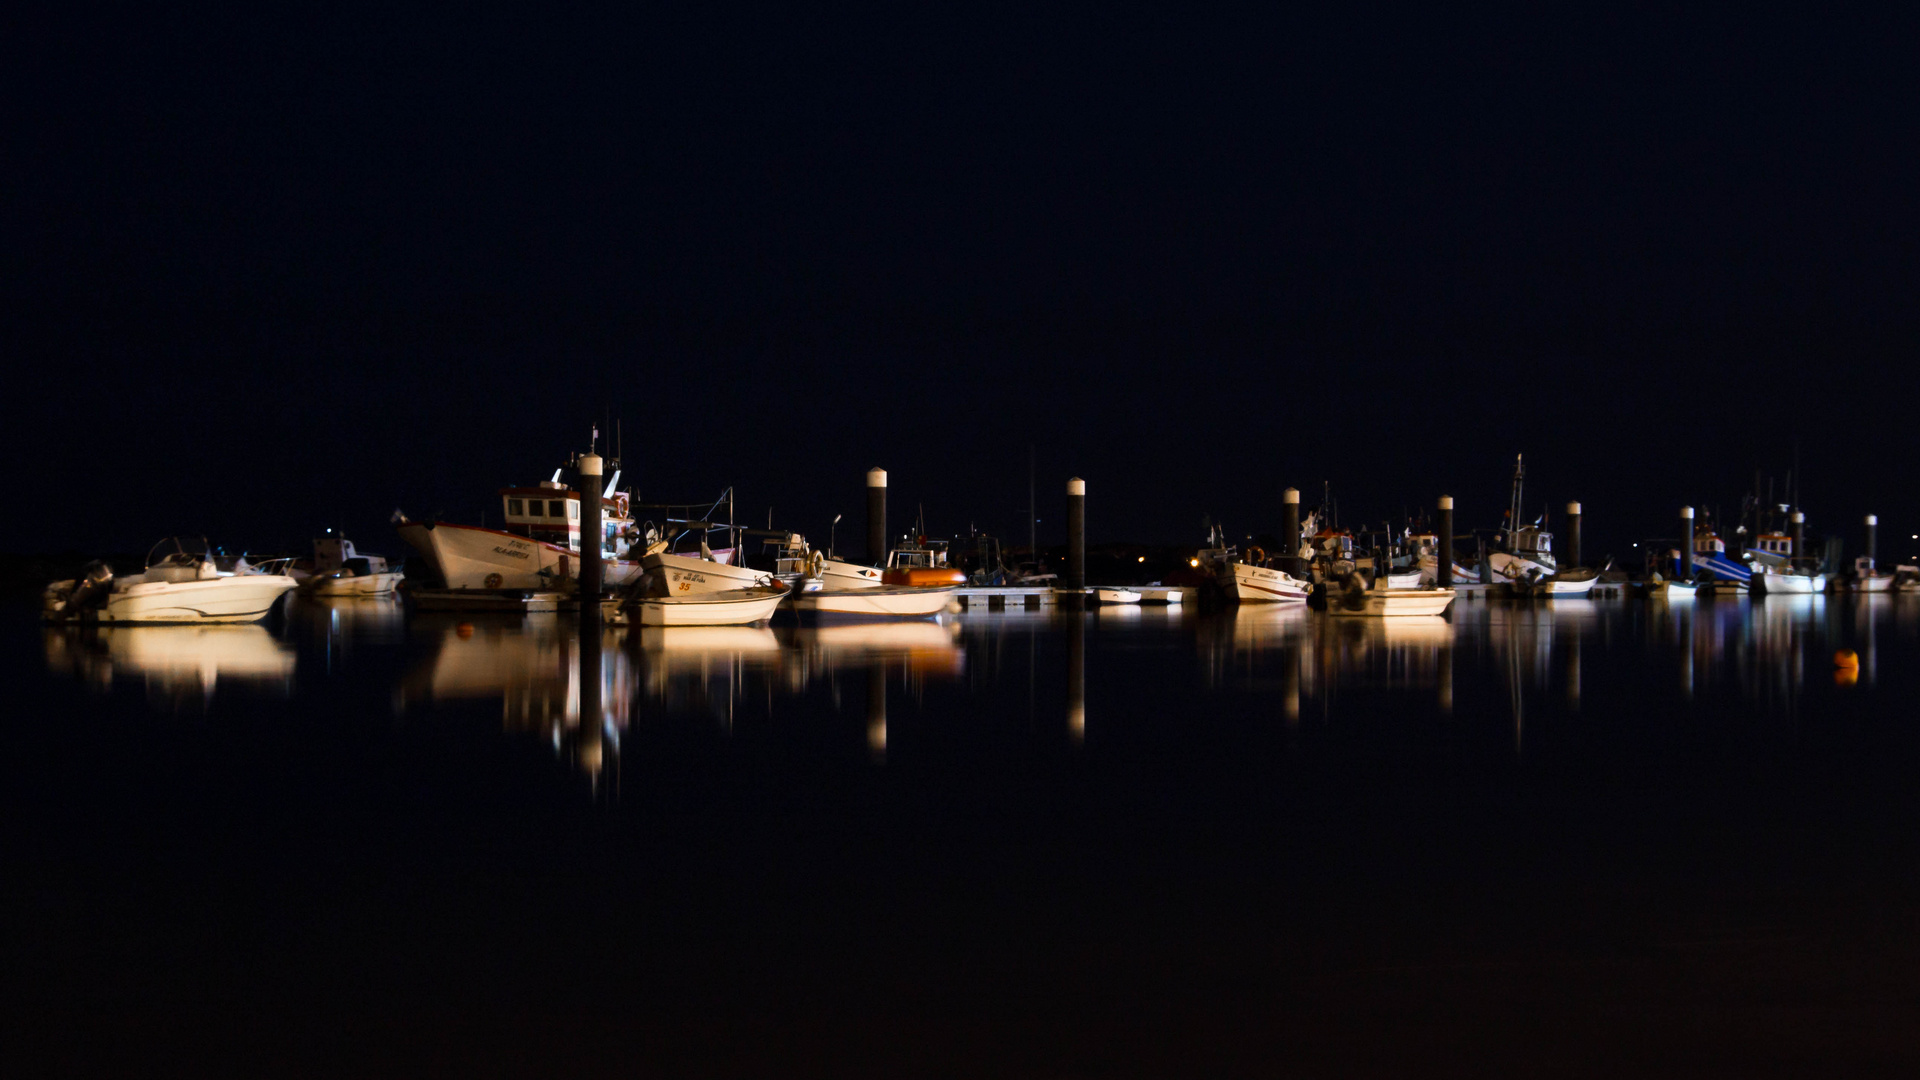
x=277 y=271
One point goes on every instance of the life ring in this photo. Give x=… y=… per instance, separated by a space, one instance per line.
x=493 y=581
x=816 y=562
x=1256 y=556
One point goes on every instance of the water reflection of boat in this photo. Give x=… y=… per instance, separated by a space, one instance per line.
x=532 y=667
x=356 y=613
x=1268 y=626
x=173 y=659
x=706 y=640
x=926 y=647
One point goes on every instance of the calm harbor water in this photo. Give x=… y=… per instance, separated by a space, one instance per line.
x=1601 y=837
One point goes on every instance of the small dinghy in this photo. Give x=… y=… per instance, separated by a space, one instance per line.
x=1117 y=596
x=874 y=602
x=1157 y=595
x=726 y=607
x=1382 y=600
x=1672 y=590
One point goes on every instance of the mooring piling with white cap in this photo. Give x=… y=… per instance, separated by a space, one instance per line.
x=877 y=516
x=1443 y=572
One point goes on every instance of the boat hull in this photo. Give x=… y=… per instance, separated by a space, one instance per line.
x=879 y=602
x=1790 y=584
x=1392 y=603
x=364 y=585
x=1117 y=596
x=469 y=557
x=241 y=598
x=1161 y=596
x=835 y=574
x=1260 y=585
x=729 y=607
x=690 y=575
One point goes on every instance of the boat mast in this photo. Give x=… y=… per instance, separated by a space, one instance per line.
x=1513 y=513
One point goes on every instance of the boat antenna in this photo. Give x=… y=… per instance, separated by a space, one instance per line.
x=1033 y=551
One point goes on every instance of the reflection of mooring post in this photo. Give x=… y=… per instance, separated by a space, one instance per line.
x=1444 y=571
x=1686 y=543
x=1573 y=535
x=1077 y=676
x=1573 y=673
x=877 y=709
x=1290 y=532
x=1290 y=678
x=1445 y=680
x=1076 y=542
x=877 y=517
x=591 y=734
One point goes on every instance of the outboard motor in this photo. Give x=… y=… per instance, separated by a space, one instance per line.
x=91 y=591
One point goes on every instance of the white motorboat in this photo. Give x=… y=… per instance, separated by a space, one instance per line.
x=1154 y=594
x=540 y=546
x=1672 y=590
x=178 y=586
x=727 y=607
x=1116 y=596
x=1867 y=579
x=1385 y=601
x=338 y=569
x=879 y=601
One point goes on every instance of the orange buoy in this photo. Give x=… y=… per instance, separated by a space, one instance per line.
x=1846 y=658
x=464 y=630
x=924 y=577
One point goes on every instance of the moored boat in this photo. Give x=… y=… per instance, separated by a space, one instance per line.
x=338 y=569
x=1382 y=601
x=1116 y=596
x=177 y=586
x=875 y=602
x=728 y=607
x=538 y=549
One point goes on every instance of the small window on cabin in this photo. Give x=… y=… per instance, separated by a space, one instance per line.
x=533 y=507
x=573 y=510
x=554 y=510
x=516 y=508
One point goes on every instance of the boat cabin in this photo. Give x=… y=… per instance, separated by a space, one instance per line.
x=1707 y=542
x=551 y=513
x=1774 y=543
x=334 y=552
x=918 y=554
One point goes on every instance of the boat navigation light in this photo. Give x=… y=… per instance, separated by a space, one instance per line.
x=1194 y=562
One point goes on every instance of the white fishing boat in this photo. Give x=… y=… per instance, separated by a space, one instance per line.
x=177 y=586
x=1528 y=563
x=338 y=569
x=1384 y=601
x=539 y=548
x=707 y=572
x=880 y=601
x=729 y=607
x=1116 y=596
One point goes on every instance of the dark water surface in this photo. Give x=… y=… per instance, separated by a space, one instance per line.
x=1599 y=838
